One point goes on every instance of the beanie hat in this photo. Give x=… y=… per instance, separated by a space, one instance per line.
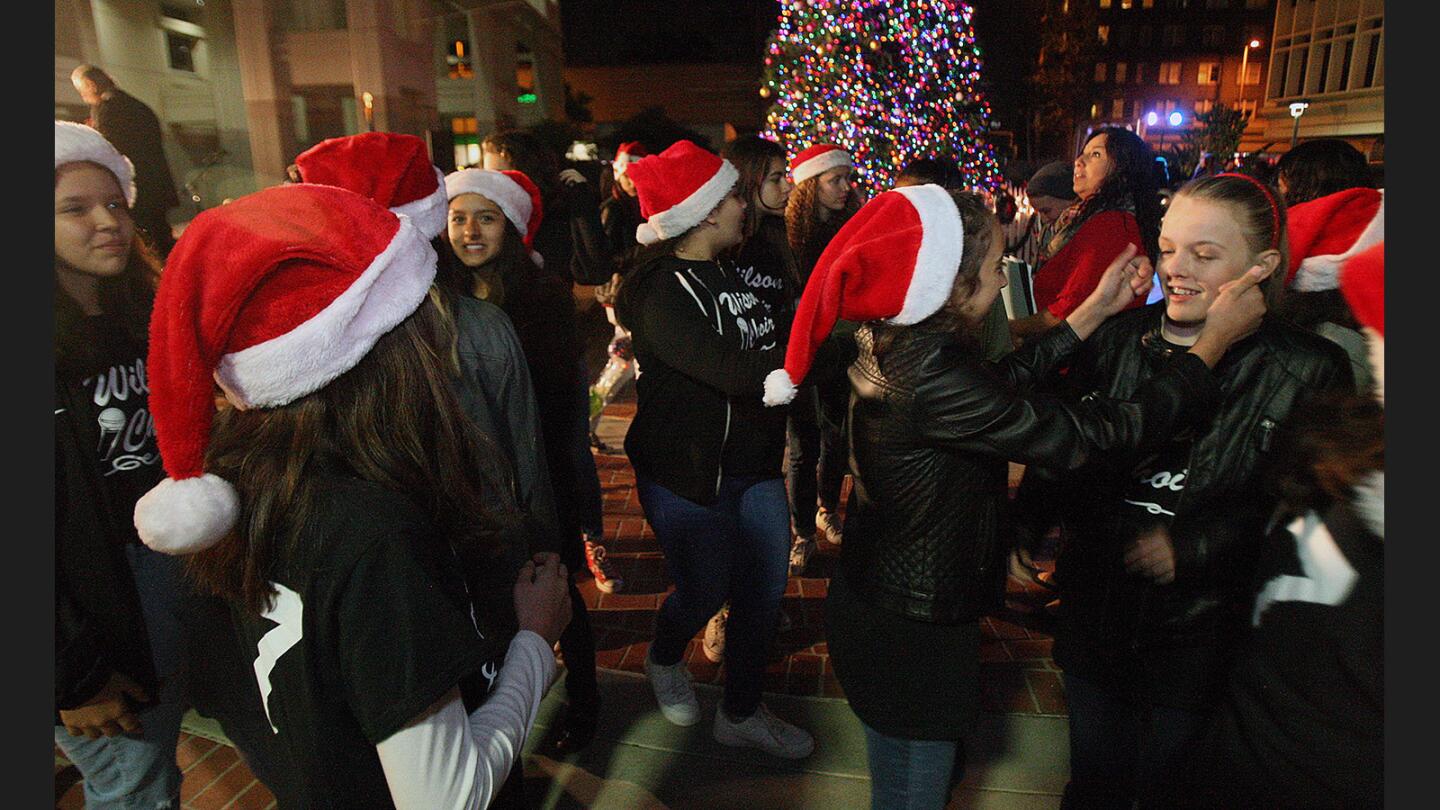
x=1362 y=282
x=1327 y=231
x=517 y=196
x=817 y=159
x=895 y=260
x=1055 y=179
x=678 y=188
x=273 y=296
x=628 y=153
x=390 y=168
x=77 y=142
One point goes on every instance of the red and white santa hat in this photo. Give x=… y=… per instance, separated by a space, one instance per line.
x=517 y=196
x=819 y=158
x=77 y=142
x=273 y=296
x=678 y=188
x=391 y=168
x=1327 y=231
x=895 y=260
x=1362 y=282
x=627 y=153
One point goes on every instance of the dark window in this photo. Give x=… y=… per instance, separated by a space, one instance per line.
x=1345 y=64
x=1304 y=56
x=1371 y=61
x=1213 y=36
x=1324 y=83
x=182 y=51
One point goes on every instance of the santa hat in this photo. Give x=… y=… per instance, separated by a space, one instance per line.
x=77 y=142
x=388 y=167
x=817 y=159
x=895 y=260
x=628 y=153
x=678 y=188
x=273 y=296
x=1327 y=231
x=517 y=196
x=1362 y=282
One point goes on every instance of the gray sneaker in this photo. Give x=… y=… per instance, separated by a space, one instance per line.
x=765 y=731
x=714 y=643
x=800 y=550
x=827 y=522
x=673 y=692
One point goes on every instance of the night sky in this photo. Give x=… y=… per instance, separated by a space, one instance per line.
x=622 y=32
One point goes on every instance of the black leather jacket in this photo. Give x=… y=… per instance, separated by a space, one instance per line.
x=931 y=428
x=1220 y=515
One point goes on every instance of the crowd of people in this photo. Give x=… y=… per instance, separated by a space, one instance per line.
x=327 y=475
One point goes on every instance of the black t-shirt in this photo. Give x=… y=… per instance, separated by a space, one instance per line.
x=372 y=630
x=104 y=372
x=1155 y=486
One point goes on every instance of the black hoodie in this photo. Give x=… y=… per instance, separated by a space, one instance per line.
x=704 y=343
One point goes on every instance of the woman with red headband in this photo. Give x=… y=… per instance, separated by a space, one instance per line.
x=1154 y=585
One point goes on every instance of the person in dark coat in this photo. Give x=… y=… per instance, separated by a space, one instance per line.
x=132 y=127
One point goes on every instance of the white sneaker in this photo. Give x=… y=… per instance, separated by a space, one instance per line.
x=714 y=643
x=673 y=692
x=827 y=522
x=765 y=731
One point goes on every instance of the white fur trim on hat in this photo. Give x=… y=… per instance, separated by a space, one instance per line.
x=690 y=211
x=821 y=163
x=186 y=516
x=1323 y=272
x=305 y=359
x=77 y=142
x=622 y=166
x=779 y=388
x=428 y=214
x=938 y=260
x=513 y=199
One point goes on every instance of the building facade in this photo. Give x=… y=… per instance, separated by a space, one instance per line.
x=243 y=86
x=1163 y=57
x=1330 y=56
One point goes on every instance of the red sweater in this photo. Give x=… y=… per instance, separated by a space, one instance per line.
x=1066 y=279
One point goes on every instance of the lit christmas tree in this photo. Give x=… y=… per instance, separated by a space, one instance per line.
x=890 y=80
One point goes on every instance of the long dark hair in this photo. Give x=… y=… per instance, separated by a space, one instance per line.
x=1336 y=440
x=1320 y=167
x=752 y=156
x=981 y=231
x=128 y=297
x=392 y=420
x=513 y=263
x=1130 y=185
x=808 y=234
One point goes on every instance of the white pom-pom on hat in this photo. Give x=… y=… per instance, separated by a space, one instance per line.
x=189 y=515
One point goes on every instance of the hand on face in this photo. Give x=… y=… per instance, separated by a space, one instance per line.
x=1128 y=277
x=1203 y=248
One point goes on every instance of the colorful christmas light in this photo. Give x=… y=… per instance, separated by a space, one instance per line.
x=890 y=80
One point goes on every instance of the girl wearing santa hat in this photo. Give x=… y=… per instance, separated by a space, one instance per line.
x=1164 y=542
x=933 y=425
x=337 y=503
x=825 y=198
x=494 y=217
x=706 y=454
x=118 y=697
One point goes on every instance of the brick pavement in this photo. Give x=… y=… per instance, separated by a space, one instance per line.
x=1017 y=672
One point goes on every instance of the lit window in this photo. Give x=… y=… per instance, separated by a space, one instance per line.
x=458 y=60
x=1099 y=71
x=1204 y=105
x=1117 y=108
x=1209 y=73
x=1127 y=4
x=1252 y=72
x=1103 y=34
x=1121 y=69
x=1104 y=3
x=1169 y=73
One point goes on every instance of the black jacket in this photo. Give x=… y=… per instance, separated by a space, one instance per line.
x=931 y=428
x=99 y=625
x=703 y=343
x=571 y=238
x=132 y=127
x=1179 y=633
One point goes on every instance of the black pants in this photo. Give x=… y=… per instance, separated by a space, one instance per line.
x=818 y=451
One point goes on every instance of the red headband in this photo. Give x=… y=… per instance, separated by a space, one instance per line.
x=1270 y=198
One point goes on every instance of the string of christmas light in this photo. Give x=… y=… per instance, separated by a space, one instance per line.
x=890 y=80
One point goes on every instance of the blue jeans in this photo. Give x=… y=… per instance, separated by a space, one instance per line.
x=912 y=774
x=736 y=549
x=1121 y=750
x=139 y=770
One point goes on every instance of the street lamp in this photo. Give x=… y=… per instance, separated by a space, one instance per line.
x=1297 y=109
x=1245 y=63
